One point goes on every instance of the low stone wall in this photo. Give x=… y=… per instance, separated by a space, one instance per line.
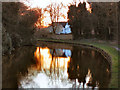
x=52 y=45
x=105 y=54
x=55 y=36
x=61 y=36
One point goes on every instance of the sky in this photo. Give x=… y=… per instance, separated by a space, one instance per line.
x=44 y=3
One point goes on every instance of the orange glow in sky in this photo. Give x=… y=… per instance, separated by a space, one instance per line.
x=45 y=3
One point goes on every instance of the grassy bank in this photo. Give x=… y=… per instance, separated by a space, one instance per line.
x=107 y=47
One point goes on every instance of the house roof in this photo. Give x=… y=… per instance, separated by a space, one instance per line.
x=62 y=23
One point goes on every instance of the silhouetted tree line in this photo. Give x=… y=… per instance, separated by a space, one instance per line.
x=102 y=23
x=18 y=24
x=12 y=70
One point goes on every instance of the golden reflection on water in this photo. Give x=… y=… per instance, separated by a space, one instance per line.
x=53 y=71
x=46 y=61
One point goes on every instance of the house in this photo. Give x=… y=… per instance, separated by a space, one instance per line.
x=62 y=28
x=63 y=31
x=67 y=29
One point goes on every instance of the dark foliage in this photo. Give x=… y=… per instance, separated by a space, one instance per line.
x=102 y=23
x=18 y=21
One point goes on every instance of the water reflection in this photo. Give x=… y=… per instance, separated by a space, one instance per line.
x=85 y=61
x=54 y=67
x=16 y=63
x=61 y=68
x=51 y=61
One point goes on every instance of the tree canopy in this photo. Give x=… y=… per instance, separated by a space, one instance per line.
x=101 y=23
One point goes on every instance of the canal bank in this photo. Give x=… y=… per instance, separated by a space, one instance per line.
x=107 y=49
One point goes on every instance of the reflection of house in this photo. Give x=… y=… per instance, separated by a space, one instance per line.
x=61 y=52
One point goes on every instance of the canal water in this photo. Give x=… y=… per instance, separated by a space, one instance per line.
x=52 y=65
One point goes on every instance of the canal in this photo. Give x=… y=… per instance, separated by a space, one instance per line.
x=55 y=65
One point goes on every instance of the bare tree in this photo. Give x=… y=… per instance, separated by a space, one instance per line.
x=58 y=9
x=40 y=12
x=54 y=10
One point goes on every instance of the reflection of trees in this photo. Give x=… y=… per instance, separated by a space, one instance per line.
x=84 y=59
x=51 y=63
x=55 y=66
x=15 y=64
